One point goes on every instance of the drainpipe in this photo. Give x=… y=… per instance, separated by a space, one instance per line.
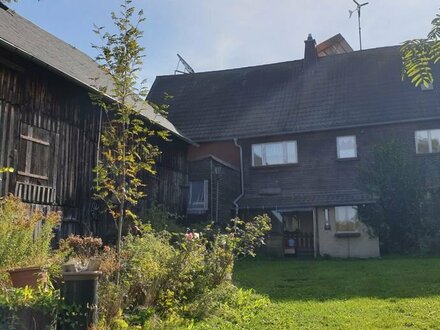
x=235 y=202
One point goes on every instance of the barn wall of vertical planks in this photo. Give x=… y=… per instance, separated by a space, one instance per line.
x=49 y=132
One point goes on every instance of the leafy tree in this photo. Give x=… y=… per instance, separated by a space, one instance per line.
x=419 y=55
x=127 y=150
x=394 y=179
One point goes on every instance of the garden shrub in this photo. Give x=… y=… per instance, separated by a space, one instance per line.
x=21 y=305
x=167 y=279
x=20 y=244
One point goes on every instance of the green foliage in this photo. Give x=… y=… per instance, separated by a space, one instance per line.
x=6 y=170
x=159 y=219
x=163 y=275
x=127 y=150
x=419 y=55
x=397 y=183
x=18 y=245
x=41 y=302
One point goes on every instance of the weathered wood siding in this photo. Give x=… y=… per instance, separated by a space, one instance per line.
x=48 y=134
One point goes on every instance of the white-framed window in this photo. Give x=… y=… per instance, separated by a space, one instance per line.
x=346 y=146
x=327 y=219
x=274 y=153
x=198 y=196
x=346 y=218
x=427 y=141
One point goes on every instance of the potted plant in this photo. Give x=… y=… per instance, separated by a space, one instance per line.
x=25 y=239
x=82 y=252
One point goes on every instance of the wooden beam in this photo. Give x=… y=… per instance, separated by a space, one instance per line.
x=34 y=176
x=35 y=140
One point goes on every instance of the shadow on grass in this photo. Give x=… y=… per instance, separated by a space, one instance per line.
x=304 y=280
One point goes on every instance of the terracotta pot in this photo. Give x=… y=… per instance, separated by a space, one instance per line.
x=30 y=276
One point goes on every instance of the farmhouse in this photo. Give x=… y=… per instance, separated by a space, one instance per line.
x=49 y=128
x=297 y=132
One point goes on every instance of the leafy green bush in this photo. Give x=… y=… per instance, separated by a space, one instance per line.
x=20 y=244
x=163 y=275
x=18 y=304
x=159 y=219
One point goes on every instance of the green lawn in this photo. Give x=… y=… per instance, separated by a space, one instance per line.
x=391 y=293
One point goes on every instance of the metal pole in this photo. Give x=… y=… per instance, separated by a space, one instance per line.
x=360 y=33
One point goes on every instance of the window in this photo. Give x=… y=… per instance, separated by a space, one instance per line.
x=427 y=141
x=326 y=219
x=346 y=146
x=34 y=153
x=198 y=196
x=276 y=153
x=346 y=218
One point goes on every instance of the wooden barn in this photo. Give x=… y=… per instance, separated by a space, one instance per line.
x=49 y=128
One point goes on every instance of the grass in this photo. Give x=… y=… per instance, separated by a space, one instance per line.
x=389 y=293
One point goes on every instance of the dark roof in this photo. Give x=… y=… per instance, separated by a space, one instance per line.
x=305 y=199
x=20 y=35
x=345 y=90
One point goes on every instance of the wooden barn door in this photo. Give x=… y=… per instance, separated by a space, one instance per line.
x=35 y=168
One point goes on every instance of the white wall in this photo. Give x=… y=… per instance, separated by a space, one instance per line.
x=345 y=247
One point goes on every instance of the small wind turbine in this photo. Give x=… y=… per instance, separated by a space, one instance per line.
x=358 y=10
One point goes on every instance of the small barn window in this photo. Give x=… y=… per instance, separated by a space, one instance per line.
x=34 y=153
x=198 y=196
x=276 y=153
x=427 y=141
x=346 y=146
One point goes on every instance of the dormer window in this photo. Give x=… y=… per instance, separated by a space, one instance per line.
x=275 y=153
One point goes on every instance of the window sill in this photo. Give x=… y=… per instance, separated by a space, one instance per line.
x=344 y=234
x=427 y=154
x=196 y=211
x=347 y=159
x=274 y=166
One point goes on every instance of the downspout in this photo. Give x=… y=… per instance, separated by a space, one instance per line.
x=235 y=202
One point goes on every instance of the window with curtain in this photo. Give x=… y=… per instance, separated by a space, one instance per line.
x=346 y=218
x=274 y=153
x=346 y=146
x=198 y=196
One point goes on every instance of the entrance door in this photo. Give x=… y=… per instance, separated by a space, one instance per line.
x=299 y=227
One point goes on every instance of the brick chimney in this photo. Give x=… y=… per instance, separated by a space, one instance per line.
x=310 y=52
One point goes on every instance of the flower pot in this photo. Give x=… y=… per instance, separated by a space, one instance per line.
x=30 y=276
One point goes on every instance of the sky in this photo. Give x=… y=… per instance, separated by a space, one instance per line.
x=223 y=34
